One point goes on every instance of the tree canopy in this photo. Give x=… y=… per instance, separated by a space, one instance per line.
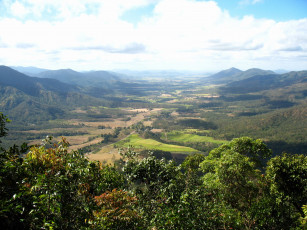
x=237 y=186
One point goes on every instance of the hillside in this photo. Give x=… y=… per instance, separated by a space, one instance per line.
x=234 y=74
x=222 y=75
x=25 y=98
x=266 y=81
x=32 y=85
x=284 y=130
x=101 y=79
x=63 y=75
x=30 y=70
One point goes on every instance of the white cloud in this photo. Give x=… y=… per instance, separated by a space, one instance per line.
x=19 y=10
x=187 y=34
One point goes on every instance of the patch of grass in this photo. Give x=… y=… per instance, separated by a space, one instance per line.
x=137 y=142
x=188 y=137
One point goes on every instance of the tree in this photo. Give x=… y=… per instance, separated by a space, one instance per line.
x=11 y=174
x=3 y=129
x=116 y=211
x=245 y=197
x=255 y=150
x=288 y=179
x=47 y=186
x=232 y=177
x=63 y=184
x=192 y=169
x=157 y=184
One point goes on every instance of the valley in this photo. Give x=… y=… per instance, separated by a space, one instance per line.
x=101 y=112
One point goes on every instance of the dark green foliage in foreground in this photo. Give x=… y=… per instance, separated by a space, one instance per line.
x=234 y=187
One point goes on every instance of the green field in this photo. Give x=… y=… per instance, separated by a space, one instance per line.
x=179 y=136
x=137 y=142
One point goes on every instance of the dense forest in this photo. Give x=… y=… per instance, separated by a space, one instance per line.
x=238 y=185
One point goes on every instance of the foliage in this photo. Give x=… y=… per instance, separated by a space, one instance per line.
x=116 y=211
x=157 y=153
x=245 y=196
x=49 y=187
x=234 y=181
x=304 y=219
x=3 y=129
x=256 y=150
x=288 y=177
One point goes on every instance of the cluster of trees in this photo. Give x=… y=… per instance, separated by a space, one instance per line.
x=237 y=186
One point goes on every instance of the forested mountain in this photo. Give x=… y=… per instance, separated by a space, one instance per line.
x=63 y=75
x=222 y=75
x=32 y=85
x=266 y=81
x=284 y=129
x=234 y=74
x=31 y=99
x=30 y=71
x=102 y=79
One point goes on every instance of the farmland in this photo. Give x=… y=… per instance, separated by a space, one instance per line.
x=137 y=142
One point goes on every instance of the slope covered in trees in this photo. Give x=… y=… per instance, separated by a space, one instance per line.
x=32 y=99
x=266 y=81
x=32 y=85
x=92 y=78
x=233 y=74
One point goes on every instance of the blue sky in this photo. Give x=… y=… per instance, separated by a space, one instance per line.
x=154 y=34
x=279 y=10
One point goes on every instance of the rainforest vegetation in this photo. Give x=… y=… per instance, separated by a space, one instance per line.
x=238 y=185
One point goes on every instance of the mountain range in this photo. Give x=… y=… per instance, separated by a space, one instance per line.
x=51 y=92
x=29 y=70
x=31 y=98
x=32 y=85
x=233 y=74
x=267 y=81
x=103 y=79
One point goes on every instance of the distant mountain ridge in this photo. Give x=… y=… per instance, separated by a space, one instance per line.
x=103 y=79
x=25 y=98
x=30 y=70
x=234 y=74
x=31 y=85
x=224 y=74
x=266 y=81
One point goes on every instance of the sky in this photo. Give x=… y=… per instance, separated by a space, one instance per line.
x=195 y=35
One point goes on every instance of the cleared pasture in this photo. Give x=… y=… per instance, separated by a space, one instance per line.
x=138 y=142
x=182 y=137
